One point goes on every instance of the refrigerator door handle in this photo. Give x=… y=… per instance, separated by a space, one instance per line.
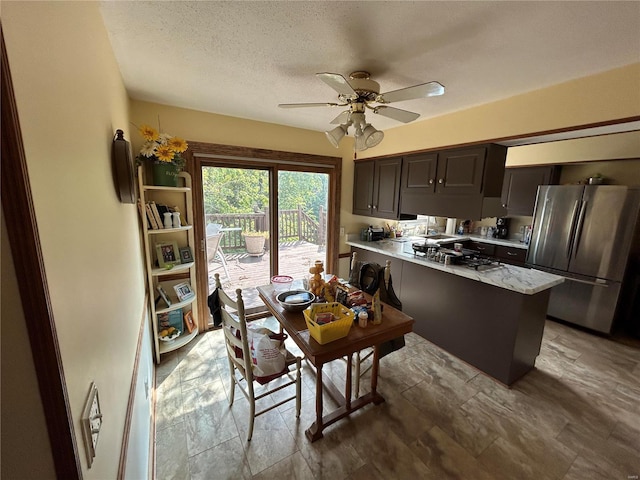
x=578 y=234
x=573 y=228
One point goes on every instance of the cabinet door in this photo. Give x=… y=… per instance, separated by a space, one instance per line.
x=521 y=185
x=386 y=187
x=363 y=187
x=483 y=248
x=419 y=173
x=461 y=171
x=511 y=255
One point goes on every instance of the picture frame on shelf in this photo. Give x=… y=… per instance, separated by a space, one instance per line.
x=189 y=321
x=167 y=254
x=186 y=256
x=164 y=295
x=183 y=291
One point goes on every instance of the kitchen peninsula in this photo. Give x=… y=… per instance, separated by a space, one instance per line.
x=491 y=319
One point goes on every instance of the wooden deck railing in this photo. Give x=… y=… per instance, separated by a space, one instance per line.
x=292 y=225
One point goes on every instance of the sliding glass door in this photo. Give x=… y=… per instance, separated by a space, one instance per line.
x=253 y=234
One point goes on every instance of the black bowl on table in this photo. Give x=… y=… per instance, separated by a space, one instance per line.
x=295 y=300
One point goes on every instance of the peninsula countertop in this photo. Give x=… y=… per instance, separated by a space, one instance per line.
x=510 y=277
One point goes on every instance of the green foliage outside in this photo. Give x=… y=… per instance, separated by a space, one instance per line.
x=237 y=190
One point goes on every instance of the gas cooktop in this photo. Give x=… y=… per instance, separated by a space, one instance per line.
x=467 y=258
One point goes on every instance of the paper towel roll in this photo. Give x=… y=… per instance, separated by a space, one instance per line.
x=451 y=226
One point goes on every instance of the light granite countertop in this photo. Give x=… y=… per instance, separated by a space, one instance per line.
x=518 y=279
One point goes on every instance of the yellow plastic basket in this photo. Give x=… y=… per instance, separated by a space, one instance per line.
x=330 y=331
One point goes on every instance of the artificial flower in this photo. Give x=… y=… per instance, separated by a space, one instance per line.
x=164 y=153
x=161 y=147
x=149 y=133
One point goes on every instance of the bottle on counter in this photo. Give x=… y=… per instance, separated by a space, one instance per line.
x=363 y=319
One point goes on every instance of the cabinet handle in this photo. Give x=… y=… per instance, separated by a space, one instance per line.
x=512 y=254
x=504 y=205
x=441 y=181
x=368 y=206
x=431 y=181
x=375 y=207
x=480 y=248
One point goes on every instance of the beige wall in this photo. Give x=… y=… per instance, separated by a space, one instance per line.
x=70 y=99
x=605 y=147
x=212 y=128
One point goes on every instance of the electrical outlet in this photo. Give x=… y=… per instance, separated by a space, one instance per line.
x=342 y=231
x=91 y=422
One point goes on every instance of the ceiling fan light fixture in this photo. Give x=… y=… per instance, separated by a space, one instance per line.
x=360 y=143
x=372 y=136
x=334 y=136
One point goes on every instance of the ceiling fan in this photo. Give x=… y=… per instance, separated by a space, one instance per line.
x=359 y=93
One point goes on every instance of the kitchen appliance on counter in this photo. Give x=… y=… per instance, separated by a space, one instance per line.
x=501 y=229
x=464 y=257
x=585 y=234
x=372 y=234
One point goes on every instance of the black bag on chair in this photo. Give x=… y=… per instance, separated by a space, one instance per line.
x=370 y=279
x=214 y=308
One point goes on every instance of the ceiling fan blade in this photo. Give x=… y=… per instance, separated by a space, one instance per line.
x=342 y=118
x=303 y=105
x=395 y=113
x=338 y=83
x=424 y=90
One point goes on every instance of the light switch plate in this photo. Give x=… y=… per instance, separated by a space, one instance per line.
x=91 y=423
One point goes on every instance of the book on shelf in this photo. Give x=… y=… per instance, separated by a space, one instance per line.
x=143 y=214
x=156 y=215
x=173 y=318
x=150 y=216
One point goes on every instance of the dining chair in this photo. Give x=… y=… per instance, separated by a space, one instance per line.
x=214 y=250
x=234 y=326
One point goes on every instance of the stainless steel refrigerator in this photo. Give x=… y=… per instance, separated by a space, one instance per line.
x=585 y=234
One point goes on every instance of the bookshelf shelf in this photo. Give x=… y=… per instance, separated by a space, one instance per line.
x=153 y=202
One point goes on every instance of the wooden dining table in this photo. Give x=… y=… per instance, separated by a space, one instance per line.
x=394 y=324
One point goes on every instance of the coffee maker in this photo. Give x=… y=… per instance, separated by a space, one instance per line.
x=502 y=228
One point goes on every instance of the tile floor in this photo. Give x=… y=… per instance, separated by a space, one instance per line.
x=576 y=416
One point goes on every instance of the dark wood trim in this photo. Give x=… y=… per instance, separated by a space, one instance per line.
x=201 y=154
x=515 y=137
x=22 y=229
x=132 y=392
x=234 y=153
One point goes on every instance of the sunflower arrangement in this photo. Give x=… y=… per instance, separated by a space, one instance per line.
x=161 y=147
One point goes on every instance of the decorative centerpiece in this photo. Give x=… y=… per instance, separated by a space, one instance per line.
x=165 y=151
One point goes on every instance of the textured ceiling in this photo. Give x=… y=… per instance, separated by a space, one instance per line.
x=244 y=58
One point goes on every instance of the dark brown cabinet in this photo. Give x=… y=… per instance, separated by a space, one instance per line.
x=520 y=186
x=419 y=174
x=483 y=248
x=511 y=255
x=376 y=187
x=461 y=171
x=452 y=183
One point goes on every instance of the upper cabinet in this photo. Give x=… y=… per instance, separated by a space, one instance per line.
x=376 y=187
x=460 y=172
x=520 y=186
x=452 y=183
